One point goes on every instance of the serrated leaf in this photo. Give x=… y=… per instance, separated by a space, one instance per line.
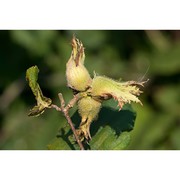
x=110 y=131
x=112 y=127
x=106 y=139
x=42 y=101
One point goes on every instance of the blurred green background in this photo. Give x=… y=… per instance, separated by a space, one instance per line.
x=126 y=54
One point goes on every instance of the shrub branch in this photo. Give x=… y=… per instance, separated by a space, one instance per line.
x=65 y=110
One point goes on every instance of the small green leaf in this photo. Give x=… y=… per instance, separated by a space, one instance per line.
x=32 y=77
x=42 y=101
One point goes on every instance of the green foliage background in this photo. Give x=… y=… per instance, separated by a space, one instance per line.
x=118 y=54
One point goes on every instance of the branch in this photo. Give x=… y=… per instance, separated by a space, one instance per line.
x=65 y=111
x=55 y=107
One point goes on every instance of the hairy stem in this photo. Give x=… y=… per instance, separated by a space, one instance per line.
x=65 y=111
x=55 y=107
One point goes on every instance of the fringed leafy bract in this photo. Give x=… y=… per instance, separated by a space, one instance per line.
x=124 y=92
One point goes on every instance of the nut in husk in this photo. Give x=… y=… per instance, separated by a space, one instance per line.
x=88 y=109
x=77 y=75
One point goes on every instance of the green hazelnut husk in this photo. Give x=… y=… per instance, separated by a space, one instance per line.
x=103 y=88
x=78 y=77
x=88 y=109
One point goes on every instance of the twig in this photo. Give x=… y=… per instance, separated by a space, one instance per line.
x=65 y=111
x=55 y=107
x=72 y=102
